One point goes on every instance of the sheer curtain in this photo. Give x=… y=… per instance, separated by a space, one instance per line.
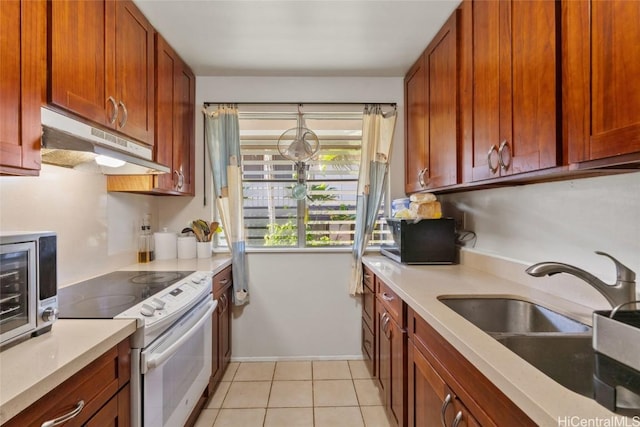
x=222 y=136
x=377 y=138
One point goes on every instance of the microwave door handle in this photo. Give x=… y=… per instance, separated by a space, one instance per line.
x=158 y=359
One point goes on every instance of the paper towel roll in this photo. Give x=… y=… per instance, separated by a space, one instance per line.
x=186 y=247
x=165 y=244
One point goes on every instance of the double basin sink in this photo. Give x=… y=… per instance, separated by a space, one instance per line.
x=558 y=346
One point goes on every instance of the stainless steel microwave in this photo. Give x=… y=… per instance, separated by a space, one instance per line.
x=28 y=285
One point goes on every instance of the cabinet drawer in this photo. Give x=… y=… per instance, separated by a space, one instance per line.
x=221 y=282
x=368 y=278
x=368 y=347
x=390 y=301
x=95 y=384
x=368 y=307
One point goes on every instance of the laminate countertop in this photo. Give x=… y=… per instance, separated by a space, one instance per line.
x=31 y=369
x=546 y=402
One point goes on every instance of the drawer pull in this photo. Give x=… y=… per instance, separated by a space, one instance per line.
x=443 y=410
x=387 y=297
x=457 y=419
x=224 y=281
x=125 y=115
x=114 y=114
x=492 y=169
x=65 y=417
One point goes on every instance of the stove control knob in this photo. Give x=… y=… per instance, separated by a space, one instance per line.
x=147 y=310
x=196 y=279
x=158 y=304
x=50 y=314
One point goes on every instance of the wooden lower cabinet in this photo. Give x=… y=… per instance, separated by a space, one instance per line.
x=430 y=401
x=221 y=342
x=437 y=370
x=98 y=394
x=391 y=340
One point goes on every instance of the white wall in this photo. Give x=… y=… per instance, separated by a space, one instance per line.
x=559 y=221
x=299 y=309
x=97 y=231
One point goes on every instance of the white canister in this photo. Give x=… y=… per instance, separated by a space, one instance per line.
x=165 y=244
x=186 y=247
x=204 y=249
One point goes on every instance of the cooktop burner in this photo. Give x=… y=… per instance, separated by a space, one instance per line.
x=106 y=296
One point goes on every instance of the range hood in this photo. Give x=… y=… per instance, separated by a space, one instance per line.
x=70 y=143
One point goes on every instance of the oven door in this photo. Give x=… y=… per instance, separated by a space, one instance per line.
x=176 y=368
x=17 y=290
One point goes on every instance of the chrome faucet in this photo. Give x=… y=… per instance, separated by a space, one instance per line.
x=623 y=291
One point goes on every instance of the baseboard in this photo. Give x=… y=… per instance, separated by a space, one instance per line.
x=295 y=358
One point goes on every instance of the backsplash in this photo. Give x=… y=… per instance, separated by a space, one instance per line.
x=96 y=230
x=559 y=221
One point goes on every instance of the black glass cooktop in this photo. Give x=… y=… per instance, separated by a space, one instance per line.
x=106 y=296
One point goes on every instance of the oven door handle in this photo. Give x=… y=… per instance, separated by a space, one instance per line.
x=158 y=359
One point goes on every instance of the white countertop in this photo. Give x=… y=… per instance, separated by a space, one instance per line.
x=31 y=369
x=542 y=399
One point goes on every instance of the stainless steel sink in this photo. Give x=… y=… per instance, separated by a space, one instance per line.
x=566 y=358
x=558 y=346
x=512 y=315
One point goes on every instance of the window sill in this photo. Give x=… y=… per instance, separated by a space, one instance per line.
x=284 y=250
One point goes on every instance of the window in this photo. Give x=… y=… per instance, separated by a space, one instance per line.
x=326 y=217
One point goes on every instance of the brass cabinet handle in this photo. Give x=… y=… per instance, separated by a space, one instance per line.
x=492 y=169
x=66 y=417
x=180 y=179
x=457 y=419
x=504 y=145
x=125 y=115
x=114 y=114
x=443 y=410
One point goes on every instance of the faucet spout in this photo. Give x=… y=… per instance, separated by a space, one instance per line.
x=623 y=291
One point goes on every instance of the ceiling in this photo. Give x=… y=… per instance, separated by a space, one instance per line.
x=367 y=38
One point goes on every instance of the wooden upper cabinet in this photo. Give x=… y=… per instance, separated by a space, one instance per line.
x=513 y=60
x=134 y=68
x=22 y=67
x=431 y=93
x=174 y=130
x=416 y=148
x=601 y=79
x=101 y=64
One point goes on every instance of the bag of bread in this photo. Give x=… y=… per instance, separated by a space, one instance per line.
x=426 y=210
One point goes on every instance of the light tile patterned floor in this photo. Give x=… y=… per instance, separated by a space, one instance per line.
x=295 y=394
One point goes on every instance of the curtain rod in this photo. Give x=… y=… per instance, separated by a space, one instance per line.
x=392 y=104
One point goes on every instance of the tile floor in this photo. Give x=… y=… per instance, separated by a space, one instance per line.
x=295 y=394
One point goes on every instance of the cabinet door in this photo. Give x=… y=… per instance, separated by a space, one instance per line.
x=442 y=106
x=22 y=66
x=116 y=413
x=383 y=351
x=81 y=59
x=529 y=132
x=397 y=391
x=515 y=92
x=134 y=50
x=166 y=66
x=601 y=90
x=416 y=148
x=430 y=401
x=225 y=329
x=184 y=139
